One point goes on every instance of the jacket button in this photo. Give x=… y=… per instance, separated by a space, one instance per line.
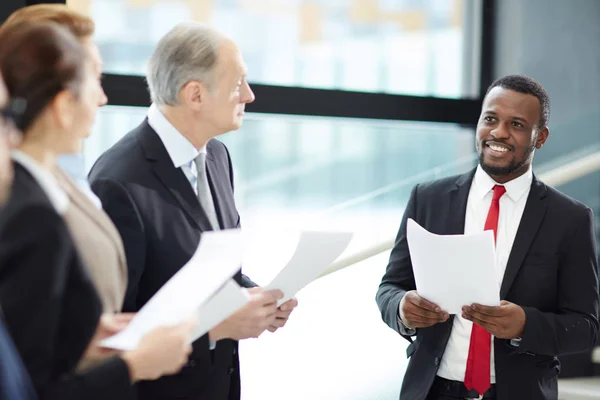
x=191 y=363
x=437 y=361
x=234 y=352
x=231 y=371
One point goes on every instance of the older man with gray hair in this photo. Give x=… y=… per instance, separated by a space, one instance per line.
x=168 y=180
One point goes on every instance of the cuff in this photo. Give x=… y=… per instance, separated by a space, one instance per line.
x=404 y=330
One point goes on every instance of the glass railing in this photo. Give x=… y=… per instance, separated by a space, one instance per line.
x=336 y=174
x=322 y=173
x=326 y=174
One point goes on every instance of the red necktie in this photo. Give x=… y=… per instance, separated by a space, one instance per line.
x=477 y=375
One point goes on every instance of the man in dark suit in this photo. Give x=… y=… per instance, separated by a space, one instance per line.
x=545 y=257
x=168 y=180
x=15 y=384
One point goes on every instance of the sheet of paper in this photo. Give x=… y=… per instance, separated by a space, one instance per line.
x=217 y=258
x=454 y=270
x=230 y=298
x=314 y=253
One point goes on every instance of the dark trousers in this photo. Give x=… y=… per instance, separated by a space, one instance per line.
x=443 y=389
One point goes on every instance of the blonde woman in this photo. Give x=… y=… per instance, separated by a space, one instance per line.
x=50 y=304
x=95 y=236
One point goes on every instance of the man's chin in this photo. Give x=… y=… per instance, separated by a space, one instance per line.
x=494 y=169
x=237 y=124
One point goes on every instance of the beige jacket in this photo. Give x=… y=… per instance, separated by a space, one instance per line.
x=98 y=243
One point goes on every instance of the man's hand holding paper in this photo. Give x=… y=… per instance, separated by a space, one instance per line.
x=506 y=321
x=283 y=314
x=417 y=312
x=252 y=319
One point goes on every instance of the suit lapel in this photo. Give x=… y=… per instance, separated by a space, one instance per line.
x=457 y=206
x=97 y=216
x=220 y=193
x=82 y=202
x=533 y=215
x=173 y=178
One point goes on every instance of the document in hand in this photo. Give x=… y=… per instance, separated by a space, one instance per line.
x=453 y=271
x=228 y=299
x=314 y=253
x=217 y=258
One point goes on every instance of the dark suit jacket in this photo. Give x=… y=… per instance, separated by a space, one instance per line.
x=49 y=302
x=160 y=220
x=14 y=381
x=551 y=273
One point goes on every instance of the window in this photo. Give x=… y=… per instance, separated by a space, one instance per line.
x=391 y=46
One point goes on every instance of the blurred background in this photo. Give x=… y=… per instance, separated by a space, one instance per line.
x=358 y=100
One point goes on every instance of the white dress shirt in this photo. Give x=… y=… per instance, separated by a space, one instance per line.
x=58 y=198
x=454 y=362
x=181 y=151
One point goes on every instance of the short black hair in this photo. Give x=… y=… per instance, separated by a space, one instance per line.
x=526 y=85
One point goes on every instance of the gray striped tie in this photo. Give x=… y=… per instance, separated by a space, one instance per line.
x=204 y=193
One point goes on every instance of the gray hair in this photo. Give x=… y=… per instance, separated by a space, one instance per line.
x=188 y=52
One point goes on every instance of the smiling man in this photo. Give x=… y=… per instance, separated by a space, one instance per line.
x=546 y=261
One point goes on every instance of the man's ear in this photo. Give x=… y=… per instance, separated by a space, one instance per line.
x=542 y=136
x=193 y=94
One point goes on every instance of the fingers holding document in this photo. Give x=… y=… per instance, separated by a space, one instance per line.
x=252 y=319
x=417 y=312
x=163 y=351
x=506 y=321
x=283 y=314
x=108 y=325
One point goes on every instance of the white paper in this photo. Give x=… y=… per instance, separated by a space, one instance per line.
x=453 y=271
x=230 y=298
x=314 y=253
x=217 y=258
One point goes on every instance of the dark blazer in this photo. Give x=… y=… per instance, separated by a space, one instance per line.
x=551 y=273
x=14 y=381
x=49 y=302
x=160 y=220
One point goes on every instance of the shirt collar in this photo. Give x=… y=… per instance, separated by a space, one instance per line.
x=515 y=189
x=181 y=151
x=45 y=179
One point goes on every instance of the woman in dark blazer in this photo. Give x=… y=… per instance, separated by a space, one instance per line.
x=96 y=238
x=14 y=380
x=50 y=304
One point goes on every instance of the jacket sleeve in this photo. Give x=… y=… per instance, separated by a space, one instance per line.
x=109 y=380
x=574 y=327
x=398 y=278
x=36 y=255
